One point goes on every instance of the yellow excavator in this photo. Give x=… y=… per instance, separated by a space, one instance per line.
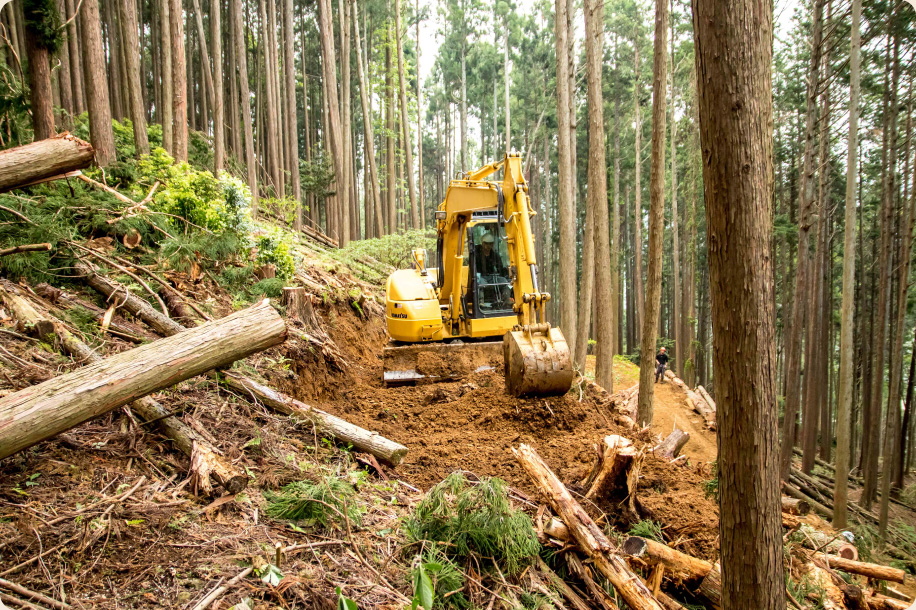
x=445 y=322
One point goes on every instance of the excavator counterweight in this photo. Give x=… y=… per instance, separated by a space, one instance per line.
x=446 y=322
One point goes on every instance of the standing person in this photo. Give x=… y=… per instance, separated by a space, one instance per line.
x=661 y=362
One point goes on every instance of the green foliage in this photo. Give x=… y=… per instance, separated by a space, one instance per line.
x=316 y=176
x=344 y=602
x=42 y=21
x=274 y=248
x=437 y=582
x=326 y=502
x=271 y=288
x=395 y=249
x=806 y=591
x=475 y=519
x=15 y=121
x=200 y=150
x=648 y=528
x=711 y=486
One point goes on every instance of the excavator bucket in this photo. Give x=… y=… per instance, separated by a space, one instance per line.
x=537 y=363
x=405 y=364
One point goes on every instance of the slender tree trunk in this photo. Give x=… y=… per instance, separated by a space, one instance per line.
x=566 y=198
x=680 y=348
x=615 y=233
x=734 y=47
x=506 y=81
x=390 y=192
x=135 y=88
x=76 y=58
x=586 y=289
x=597 y=196
x=375 y=193
x=241 y=56
x=637 y=212
x=179 y=82
x=338 y=147
x=464 y=102
x=100 y=128
x=165 y=48
x=219 y=121
x=656 y=219
x=405 y=122
x=806 y=197
x=42 y=104
x=906 y=453
x=292 y=116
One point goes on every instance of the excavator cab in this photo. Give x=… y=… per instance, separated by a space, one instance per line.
x=489 y=287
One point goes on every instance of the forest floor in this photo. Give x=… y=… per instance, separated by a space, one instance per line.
x=104 y=515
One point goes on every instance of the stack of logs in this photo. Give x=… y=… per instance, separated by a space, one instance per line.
x=699 y=400
x=574 y=530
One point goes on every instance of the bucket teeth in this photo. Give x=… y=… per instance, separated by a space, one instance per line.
x=537 y=364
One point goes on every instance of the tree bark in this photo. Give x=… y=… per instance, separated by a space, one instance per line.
x=733 y=60
x=587 y=535
x=44 y=410
x=338 y=148
x=369 y=137
x=42 y=104
x=672 y=445
x=869 y=570
x=165 y=48
x=615 y=460
x=131 y=48
x=405 y=123
x=292 y=116
x=566 y=183
x=597 y=196
x=34 y=162
x=179 y=82
x=219 y=120
x=75 y=56
x=100 y=128
x=656 y=219
x=241 y=53
x=682 y=567
x=637 y=287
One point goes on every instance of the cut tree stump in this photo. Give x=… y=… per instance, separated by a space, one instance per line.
x=44 y=410
x=37 y=161
x=298 y=304
x=587 y=535
x=672 y=445
x=794 y=506
x=361 y=439
x=616 y=458
x=684 y=567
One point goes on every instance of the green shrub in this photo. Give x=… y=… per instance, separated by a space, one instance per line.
x=325 y=502
x=274 y=249
x=475 y=519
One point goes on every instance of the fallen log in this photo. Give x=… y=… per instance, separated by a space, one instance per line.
x=27 y=318
x=206 y=462
x=344 y=431
x=795 y=492
x=615 y=459
x=686 y=568
x=560 y=585
x=119 y=327
x=588 y=536
x=25 y=248
x=795 y=506
x=364 y=440
x=699 y=405
x=869 y=570
x=34 y=162
x=707 y=398
x=672 y=445
x=883 y=602
x=711 y=586
x=583 y=573
x=44 y=410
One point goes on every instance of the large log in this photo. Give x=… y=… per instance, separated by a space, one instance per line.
x=794 y=506
x=699 y=405
x=588 y=536
x=206 y=462
x=869 y=570
x=364 y=440
x=360 y=438
x=672 y=445
x=44 y=410
x=707 y=398
x=684 y=567
x=34 y=162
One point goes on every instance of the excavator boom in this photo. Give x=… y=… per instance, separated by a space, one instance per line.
x=481 y=307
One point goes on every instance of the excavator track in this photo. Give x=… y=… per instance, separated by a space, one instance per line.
x=433 y=362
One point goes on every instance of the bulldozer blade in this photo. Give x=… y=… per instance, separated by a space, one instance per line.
x=537 y=364
x=405 y=364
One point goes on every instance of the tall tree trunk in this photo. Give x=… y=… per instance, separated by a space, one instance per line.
x=906 y=452
x=615 y=232
x=100 y=128
x=375 y=193
x=349 y=221
x=597 y=196
x=566 y=180
x=405 y=122
x=464 y=101
x=390 y=193
x=76 y=58
x=289 y=111
x=64 y=77
x=219 y=121
x=656 y=219
x=241 y=57
x=895 y=360
x=132 y=63
x=734 y=47
x=165 y=48
x=586 y=289
x=42 y=104
x=422 y=195
x=506 y=81
x=179 y=82
x=637 y=284
x=680 y=348
x=871 y=440
x=336 y=132
x=796 y=328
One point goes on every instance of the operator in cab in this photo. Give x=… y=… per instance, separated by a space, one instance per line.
x=490 y=262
